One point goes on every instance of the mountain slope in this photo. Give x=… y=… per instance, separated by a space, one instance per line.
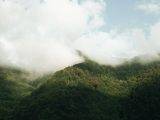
x=13 y=87
x=91 y=91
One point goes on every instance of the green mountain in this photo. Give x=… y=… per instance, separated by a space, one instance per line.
x=86 y=91
x=13 y=87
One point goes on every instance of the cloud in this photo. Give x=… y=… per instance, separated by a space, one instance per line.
x=37 y=35
x=149 y=7
x=114 y=48
x=43 y=36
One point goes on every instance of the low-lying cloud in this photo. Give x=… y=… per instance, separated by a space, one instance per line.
x=44 y=35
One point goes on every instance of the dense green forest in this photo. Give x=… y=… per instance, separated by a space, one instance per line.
x=86 y=91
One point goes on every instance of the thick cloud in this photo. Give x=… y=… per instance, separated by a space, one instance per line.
x=44 y=35
x=37 y=35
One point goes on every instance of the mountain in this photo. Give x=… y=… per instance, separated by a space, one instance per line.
x=13 y=87
x=85 y=91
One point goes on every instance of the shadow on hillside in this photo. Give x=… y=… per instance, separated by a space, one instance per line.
x=7 y=97
x=10 y=91
x=57 y=102
x=144 y=102
x=62 y=102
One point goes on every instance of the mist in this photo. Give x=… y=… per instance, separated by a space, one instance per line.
x=44 y=35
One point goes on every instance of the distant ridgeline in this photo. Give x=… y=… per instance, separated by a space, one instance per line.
x=86 y=91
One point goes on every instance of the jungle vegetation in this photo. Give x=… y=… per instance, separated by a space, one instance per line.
x=85 y=91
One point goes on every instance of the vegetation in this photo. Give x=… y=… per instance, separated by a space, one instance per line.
x=13 y=87
x=86 y=91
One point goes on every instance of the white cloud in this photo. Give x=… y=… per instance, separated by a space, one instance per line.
x=104 y=47
x=44 y=37
x=37 y=36
x=149 y=7
x=114 y=49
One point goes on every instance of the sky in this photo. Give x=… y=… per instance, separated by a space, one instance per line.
x=131 y=13
x=44 y=35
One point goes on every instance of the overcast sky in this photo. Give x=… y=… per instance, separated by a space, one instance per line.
x=43 y=35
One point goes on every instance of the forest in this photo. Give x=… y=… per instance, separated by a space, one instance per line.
x=85 y=91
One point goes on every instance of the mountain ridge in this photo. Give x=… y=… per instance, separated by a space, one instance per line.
x=84 y=91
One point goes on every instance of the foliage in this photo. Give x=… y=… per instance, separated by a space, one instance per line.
x=82 y=92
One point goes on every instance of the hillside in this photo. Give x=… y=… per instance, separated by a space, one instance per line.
x=86 y=91
x=13 y=87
